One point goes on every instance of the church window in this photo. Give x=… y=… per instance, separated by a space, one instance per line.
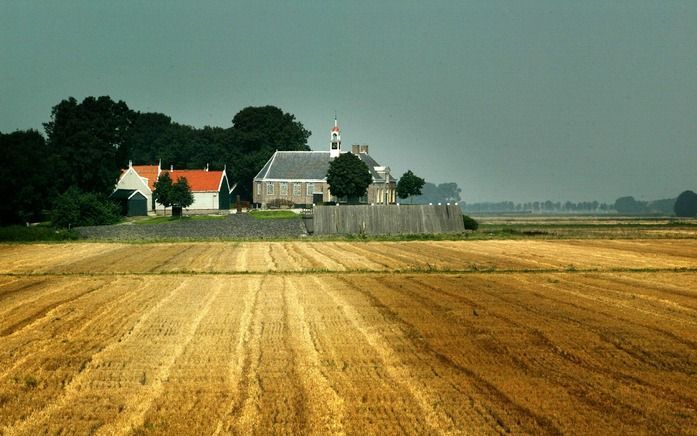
x=269 y=188
x=283 y=188
x=310 y=188
x=296 y=189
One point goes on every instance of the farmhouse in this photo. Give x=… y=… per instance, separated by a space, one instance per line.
x=300 y=177
x=211 y=189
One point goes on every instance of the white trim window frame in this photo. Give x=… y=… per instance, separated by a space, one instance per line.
x=283 y=189
x=310 y=188
x=269 y=188
x=297 y=189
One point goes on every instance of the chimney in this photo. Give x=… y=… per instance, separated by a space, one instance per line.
x=364 y=148
x=206 y=167
x=355 y=149
x=130 y=164
x=171 y=167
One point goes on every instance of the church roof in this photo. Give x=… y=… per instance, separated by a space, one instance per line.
x=307 y=165
x=296 y=165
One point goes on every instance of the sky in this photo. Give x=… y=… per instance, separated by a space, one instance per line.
x=516 y=100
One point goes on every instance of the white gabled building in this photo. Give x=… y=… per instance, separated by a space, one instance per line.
x=211 y=189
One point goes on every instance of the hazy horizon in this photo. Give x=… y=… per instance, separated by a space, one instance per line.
x=520 y=101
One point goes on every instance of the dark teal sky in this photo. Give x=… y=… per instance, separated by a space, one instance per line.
x=519 y=100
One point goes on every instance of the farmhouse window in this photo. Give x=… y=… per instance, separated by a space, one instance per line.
x=310 y=188
x=283 y=188
x=269 y=188
x=296 y=189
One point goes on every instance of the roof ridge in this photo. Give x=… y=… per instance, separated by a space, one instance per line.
x=273 y=158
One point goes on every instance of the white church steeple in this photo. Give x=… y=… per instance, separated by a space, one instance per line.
x=335 y=144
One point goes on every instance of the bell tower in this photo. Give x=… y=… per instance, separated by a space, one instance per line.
x=335 y=144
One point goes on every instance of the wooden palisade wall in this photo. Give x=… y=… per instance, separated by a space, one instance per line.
x=384 y=220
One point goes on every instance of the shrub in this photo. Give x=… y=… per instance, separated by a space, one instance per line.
x=470 y=223
x=686 y=204
x=278 y=203
x=76 y=208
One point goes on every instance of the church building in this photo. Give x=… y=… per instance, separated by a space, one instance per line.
x=300 y=177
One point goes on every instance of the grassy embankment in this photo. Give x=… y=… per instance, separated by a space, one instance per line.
x=171 y=219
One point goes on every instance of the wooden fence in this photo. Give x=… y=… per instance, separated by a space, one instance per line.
x=383 y=220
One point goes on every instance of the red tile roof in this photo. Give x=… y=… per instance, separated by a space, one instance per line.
x=199 y=180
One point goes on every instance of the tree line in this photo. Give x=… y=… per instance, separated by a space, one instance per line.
x=87 y=143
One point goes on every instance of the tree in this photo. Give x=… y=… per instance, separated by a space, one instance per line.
x=409 y=184
x=180 y=195
x=76 y=208
x=630 y=206
x=256 y=133
x=686 y=204
x=348 y=177
x=88 y=144
x=163 y=189
x=27 y=187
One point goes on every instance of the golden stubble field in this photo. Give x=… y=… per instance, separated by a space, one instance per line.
x=543 y=337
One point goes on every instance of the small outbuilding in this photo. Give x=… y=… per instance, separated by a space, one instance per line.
x=131 y=201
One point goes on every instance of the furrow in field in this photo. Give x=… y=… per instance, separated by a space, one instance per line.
x=580 y=337
x=318 y=258
x=273 y=401
x=238 y=366
x=346 y=258
x=54 y=352
x=197 y=389
x=24 y=315
x=490 y=407
x=325 y=406
x=363 y=396
x=175 y=341
x=513 y=345
x=44 y=257
x=120 y=367
x=401 y=362
x=179 y=260
x=359 y=254
x=16 y=288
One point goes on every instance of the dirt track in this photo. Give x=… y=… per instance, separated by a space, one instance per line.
x=98 y=340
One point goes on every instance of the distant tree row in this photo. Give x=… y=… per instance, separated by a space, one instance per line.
x=442 y=193
x=87 y=144
x=538 y=206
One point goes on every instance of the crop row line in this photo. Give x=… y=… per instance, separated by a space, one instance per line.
x=321 y=271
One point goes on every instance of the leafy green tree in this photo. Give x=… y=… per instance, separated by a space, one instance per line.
x=76 y=208
x=88 y=144
x=409 y=184
x=162 y=191
x=470 y=223
x=146 y=139
x=180 y=194
x=256 y=133
x=686 y=204
x=348 y=176
x=27 y=177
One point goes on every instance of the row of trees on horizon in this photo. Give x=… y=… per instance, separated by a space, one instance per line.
x=623 y=205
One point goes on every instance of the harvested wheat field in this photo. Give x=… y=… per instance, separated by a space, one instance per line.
x=541 y=337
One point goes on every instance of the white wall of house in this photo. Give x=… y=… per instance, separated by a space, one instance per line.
x=205 y=200
x=131 y=180
x=202 y=201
